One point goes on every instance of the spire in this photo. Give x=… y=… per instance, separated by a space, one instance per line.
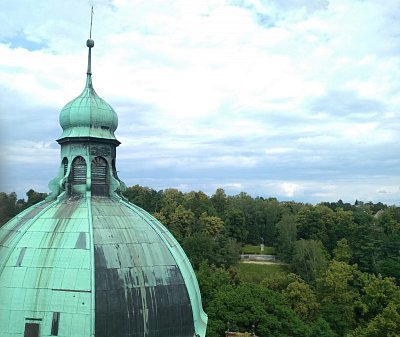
x=88 y=115
x=90 y=45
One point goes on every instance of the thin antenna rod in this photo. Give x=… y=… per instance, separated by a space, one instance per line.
x=91 y=22
x=90 y=44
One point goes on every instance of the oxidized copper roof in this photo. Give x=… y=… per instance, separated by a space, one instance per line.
x=104 y=266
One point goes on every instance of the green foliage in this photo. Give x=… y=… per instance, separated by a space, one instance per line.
x=339 y=296
x=309 y=259
x=212 y=279
x=198 y=203
x=235 y=224
x=301 y=299
x=219 y=250
x=219 y=201
x=183 y=220
x=249 y=304
x=378 y=292
x=10 y=206
x=386 y=324
x=321 y=328
x=342 y=251
x=34 y=197
x=279 y=280
x=287 y=234
x=211 y=225
x=144 y=197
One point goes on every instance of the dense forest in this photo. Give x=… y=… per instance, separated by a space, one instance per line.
x=338 y=269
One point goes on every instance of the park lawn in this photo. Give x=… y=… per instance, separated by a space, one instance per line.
x=256 y=272
x=250 y=249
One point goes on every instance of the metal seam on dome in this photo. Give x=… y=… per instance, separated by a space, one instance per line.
x=92 y=265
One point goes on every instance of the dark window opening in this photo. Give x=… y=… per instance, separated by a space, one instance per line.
x=54 y=323
x=79 y=171
x=114 y=169
x=105 y=127
x=31 y=330
x=65 y=165
x=99 y=176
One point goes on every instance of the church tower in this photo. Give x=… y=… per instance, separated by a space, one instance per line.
x=87 y=263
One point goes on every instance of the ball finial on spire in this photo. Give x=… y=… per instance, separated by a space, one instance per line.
x=90 y=43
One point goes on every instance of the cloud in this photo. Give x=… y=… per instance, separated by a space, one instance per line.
x=294 y=99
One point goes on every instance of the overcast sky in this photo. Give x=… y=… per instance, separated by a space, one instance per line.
x=294 y=99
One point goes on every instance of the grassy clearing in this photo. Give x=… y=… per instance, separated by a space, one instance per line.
x=249 y=249
x=255 y=272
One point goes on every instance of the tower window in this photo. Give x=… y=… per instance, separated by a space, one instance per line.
x=79 y=171
x=54 y=323
x=99 y=176
x=31 y=330
x=65 y=165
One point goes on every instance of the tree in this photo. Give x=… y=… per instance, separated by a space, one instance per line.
x=366 y=243
x=270 y=214
x=279 y=281
x=184 y=220
x=309 y=259
x=144 y=197
x=315 y=222
x=301 y=299
x=245 y=205
x=211 y=225
x=8 y=207
x=170 y=200
x=219 y=250
x=34 y=197
x=198 y=203
x=219 y=201
x=199 y=247
x=342 y=251
x=211 y=280
x=338 y=293
x=249 y=304
x=379 y=292
x=235 y=224
x=287 y=232
x=386 y=324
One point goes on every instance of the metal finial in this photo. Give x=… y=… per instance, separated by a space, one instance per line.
x=90 y=45
x=90 y=42
x=91 y=22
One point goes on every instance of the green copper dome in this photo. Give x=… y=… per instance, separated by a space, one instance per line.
x=95 y=266
x=88 y=115
x=86 y=262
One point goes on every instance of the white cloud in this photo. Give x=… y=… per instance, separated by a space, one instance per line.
x=298 y=94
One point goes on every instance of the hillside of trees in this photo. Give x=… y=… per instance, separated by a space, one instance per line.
x=341 y=261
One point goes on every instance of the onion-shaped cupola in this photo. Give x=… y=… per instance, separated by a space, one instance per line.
x=88 y=144
x=88 y=115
